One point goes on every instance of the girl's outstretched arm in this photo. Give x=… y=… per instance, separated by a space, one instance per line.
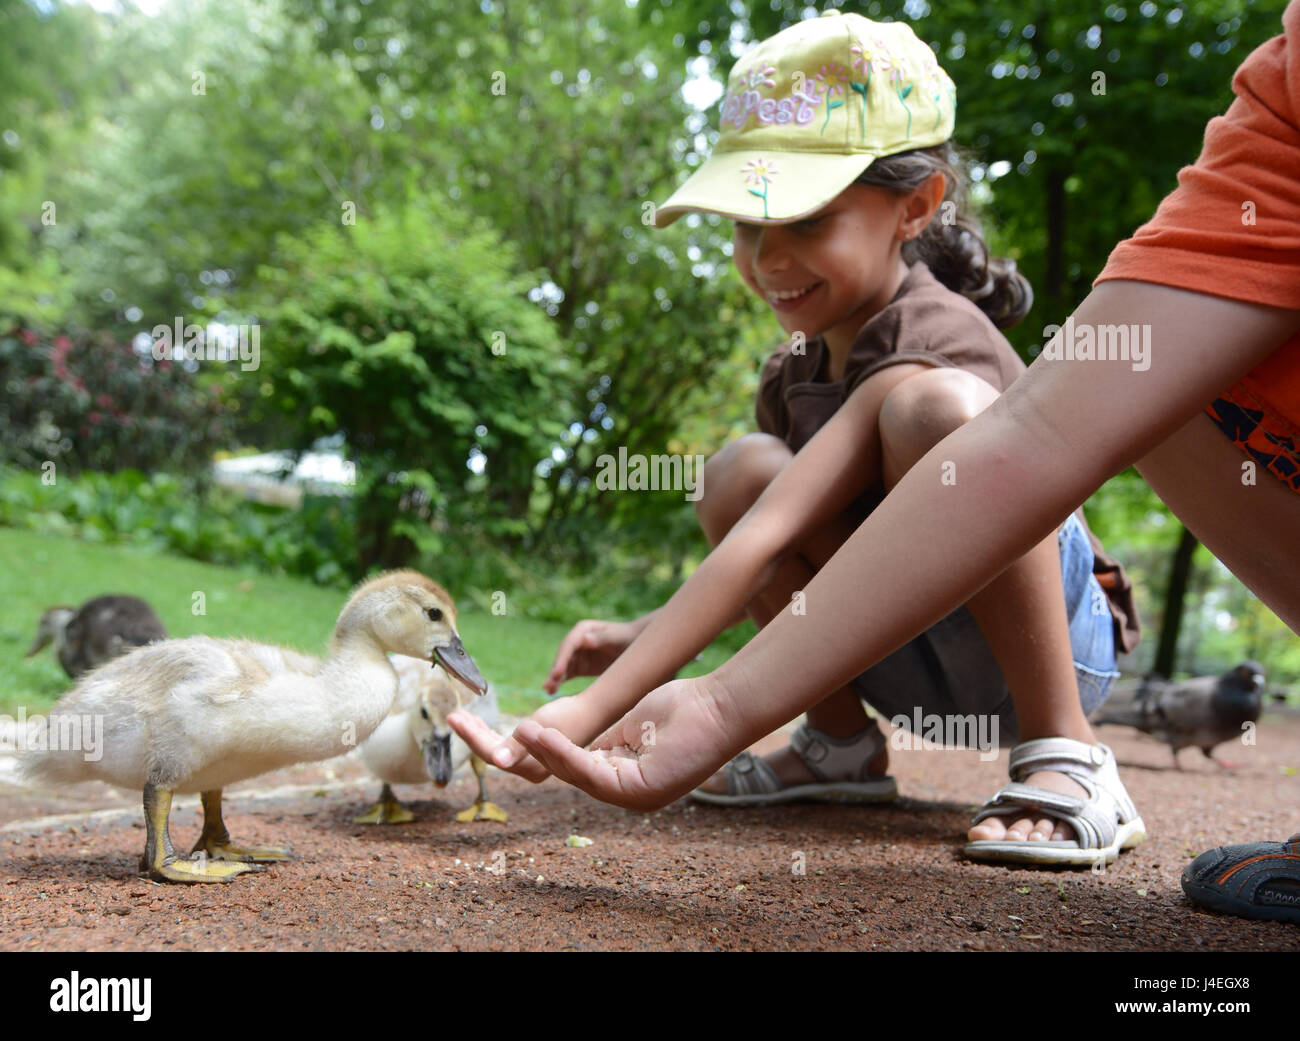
x=1015 y=472
x=841 y=460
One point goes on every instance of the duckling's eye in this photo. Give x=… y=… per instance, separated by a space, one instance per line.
x=424 y=713
x=434 y=614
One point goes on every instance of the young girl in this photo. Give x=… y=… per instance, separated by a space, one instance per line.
x=833 y=161
x=1222 y=298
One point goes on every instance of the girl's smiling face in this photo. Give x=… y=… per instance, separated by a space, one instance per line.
x=830 y=272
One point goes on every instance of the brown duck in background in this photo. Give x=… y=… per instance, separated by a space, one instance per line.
x=97 y=631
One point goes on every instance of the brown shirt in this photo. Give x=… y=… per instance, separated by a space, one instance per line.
x=925 y=323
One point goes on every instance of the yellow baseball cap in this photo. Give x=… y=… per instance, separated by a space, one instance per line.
x=808 y=110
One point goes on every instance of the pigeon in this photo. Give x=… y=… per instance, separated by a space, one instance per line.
x=1201 y=712
x=97 y=631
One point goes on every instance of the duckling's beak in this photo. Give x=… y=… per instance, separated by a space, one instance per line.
x=42 y=638
x=453 y=658
x=437 y=758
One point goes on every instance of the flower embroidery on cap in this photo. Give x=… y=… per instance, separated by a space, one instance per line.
x=870 y=57
x=762 y=77
x=892 y=63
x=938 y=83
x=760 y=171
x=833 y=79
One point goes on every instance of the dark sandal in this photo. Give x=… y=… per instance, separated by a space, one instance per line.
x=1254 y=880
x=751 y=782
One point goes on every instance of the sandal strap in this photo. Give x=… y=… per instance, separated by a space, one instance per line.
x=747 y=774
x=1016 y=794
x=1088 y=765
x=837 y=758
x=1029 y=755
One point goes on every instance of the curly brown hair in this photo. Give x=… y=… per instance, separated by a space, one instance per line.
x=952 y=244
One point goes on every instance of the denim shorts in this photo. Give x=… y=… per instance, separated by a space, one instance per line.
x=949 y=669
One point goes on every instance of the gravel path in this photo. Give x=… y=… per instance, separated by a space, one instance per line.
x=687 y=878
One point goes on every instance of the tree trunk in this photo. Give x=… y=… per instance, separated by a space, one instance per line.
x=1180 y=571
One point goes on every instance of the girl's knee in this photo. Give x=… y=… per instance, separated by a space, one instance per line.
x=924 y=409
x=735 y=476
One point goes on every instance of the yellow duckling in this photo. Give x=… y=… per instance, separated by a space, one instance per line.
x=197 y=714
x=415 y=744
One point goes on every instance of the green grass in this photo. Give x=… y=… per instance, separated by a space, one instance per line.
x=38 y=571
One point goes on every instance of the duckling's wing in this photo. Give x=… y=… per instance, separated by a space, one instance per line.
x=153 y=705
x=296 y=661
x=248 y=667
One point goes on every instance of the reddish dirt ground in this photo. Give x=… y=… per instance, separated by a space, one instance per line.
x=687 y=878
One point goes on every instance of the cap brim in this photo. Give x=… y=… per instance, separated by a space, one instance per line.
x=725 y=185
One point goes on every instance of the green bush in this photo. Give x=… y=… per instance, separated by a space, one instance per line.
x=410 y=334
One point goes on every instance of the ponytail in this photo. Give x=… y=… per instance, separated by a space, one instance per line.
x=952 y=245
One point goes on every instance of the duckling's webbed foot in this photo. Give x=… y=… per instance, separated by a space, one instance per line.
x=386 y=811
x=162 y=862
x=483 y=809
x=198 y=868
x=246 y=854
x=214 y=842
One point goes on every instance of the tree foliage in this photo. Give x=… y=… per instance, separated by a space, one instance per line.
x=410 y=335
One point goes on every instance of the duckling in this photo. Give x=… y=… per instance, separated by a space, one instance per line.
x=415 y=744
x=97 y=631
x=197 y=714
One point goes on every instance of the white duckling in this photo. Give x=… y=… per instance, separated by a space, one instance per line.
x=415 y=744
x=97 y=631
x=197 y=714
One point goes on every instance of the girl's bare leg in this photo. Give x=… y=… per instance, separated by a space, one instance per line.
x=1021 y=613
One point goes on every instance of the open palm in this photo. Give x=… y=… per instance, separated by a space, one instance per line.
x=671 y=741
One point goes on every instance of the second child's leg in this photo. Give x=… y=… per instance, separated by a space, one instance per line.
x=1021 y=613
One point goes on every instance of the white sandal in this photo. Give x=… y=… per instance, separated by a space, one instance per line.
x=1104 y=823
x=751 y=782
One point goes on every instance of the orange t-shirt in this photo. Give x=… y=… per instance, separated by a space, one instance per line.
x=1232 y=228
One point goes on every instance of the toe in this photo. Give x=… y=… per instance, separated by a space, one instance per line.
x=716 y=784
x=1041 y=830
x=1019 y=830
x=990 y=830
